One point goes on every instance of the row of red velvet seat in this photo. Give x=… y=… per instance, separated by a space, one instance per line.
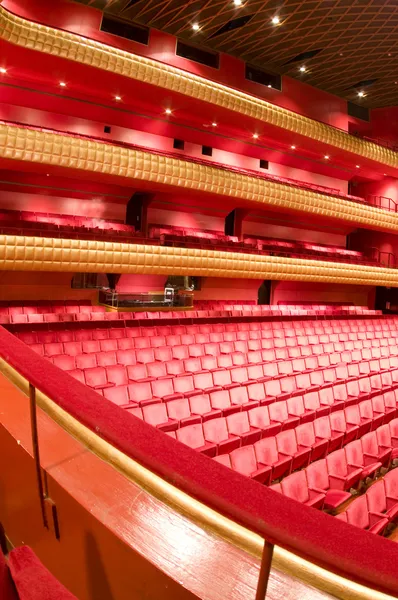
x=238 y=428
x=54 y=308
x=317 y=484
x=62 y=219
x=277 y=457
x=377 y=510
x=100 y=315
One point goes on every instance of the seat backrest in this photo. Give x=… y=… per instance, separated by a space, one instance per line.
x=305 y=435
x=244 y=460
x=286 y=442
x=391 y=485
x=192 y=435
x=337 y=463
x=354 y=453
x=317 y=475
x=266 y=451
x=376 y=497
x=238 y=423
x=295 y=486
x=215 y=430
x=358 y=513
x=259 y=417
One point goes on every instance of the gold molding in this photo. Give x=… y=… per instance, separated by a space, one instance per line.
x=191 y=508
x=69 y=152
x=22 y=253
x=73 y=47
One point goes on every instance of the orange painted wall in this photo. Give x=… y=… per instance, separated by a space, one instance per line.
x=292 y=291
x=40 y=286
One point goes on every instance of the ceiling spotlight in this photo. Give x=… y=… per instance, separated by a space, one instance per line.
x=255 y=136
x=238 y=2
x=195 y=26
x=303 y=69
x=3 y=71
x=269 y=85
x=214 y=124
x=62 y=84
x=326 y=157
x=357 y=166
x=293 y=147
x=118 y=98
x=168 y=111
x=361 y=94
x=341 y=54
x=275 y=20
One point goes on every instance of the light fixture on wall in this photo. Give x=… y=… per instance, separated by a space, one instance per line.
x=168 y=111
x=3 y=71
x=255 y=136
x=62 y=84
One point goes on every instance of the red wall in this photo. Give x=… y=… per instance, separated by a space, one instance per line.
x=386 y=187
x=296 y=95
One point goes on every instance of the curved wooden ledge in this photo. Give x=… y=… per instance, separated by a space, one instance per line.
x=20 y=253
x=41 y=38
x=201 y=514
x=54 y=149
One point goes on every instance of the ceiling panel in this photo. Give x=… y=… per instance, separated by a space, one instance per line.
x=358 y=39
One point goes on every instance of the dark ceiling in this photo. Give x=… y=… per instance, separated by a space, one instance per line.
x=356 y=40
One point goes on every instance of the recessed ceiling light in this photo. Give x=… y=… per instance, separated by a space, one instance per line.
x=361 y=94
x=238 y=2
x=118 y=98
x=255 y=135
x=168 y=111
x=396 y=82
x=341 y=54
x=47 y=174
x=269 y=85
x=357 y=166
x=389 y=54
x=293 y=147
x=326 y=157
x=3 y=71
x=214 y=124
x=62 y=84
x=303 y=69
x=275 y=20
x=195 y=26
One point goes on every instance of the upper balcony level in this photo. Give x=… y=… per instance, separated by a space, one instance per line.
x=73 y=48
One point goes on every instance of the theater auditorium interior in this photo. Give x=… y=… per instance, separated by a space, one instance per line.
x=198 y=300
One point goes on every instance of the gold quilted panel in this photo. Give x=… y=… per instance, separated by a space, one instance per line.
x=89 y=52
x=23 y=144
x=18 y=253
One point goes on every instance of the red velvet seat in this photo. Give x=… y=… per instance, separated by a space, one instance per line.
x=267 y=454
x=200 y=405
x=238 y=424
x=356 y=458
x=179 y=410
x=287 y=444
x=295 y=486
x=192 y=436
x=379 y=504
x=318 y=480
x=278 y=413
x=243 y=460
x=357 y=514
x=118 y=395
x=96 y=378
x=307 y=438
x=216 y=432
x=342 y=476
x=157 y=415
x=377 y=445
x=339 y=425
x=259 y=418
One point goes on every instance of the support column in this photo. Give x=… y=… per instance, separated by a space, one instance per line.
x=234 y=222
x=137 y=211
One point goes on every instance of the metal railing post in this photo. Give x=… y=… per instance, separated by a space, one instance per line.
x=36 y=451
x=265 y=569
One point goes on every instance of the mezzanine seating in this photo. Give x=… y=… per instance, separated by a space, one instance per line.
x=310 y=407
